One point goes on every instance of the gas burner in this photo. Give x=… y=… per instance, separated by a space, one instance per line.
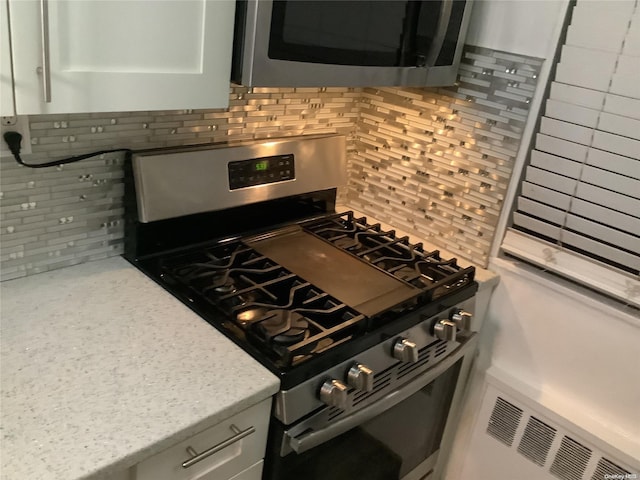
x=283 y=327
x=234 y=302
x=223 y=285
x=395 y=254
x=252 y=315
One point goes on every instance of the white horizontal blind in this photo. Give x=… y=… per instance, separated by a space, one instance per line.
x=578 y=212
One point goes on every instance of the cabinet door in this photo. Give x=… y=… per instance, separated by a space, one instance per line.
x=6 y=79
x=518 y=27
x=121 y=55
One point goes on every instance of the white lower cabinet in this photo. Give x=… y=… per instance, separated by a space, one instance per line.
x=231 y=450
x=254 y=472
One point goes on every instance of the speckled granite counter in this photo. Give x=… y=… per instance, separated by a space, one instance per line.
x=102 y=368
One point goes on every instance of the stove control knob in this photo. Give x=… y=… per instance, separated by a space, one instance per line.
x=462 y=319
x=334 y=394
x=445 y=330
x=360 y=377
x=406 y=351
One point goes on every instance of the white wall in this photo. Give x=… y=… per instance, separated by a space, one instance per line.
x=578 y=354
x=523 y=27
x=570 y=351
x=562 y=340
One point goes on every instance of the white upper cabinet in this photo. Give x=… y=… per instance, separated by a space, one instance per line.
x=119 y=55
x=6 y=79
x=524 y=27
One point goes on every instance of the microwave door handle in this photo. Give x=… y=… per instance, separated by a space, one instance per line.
x=441 y=32
x=310 y=440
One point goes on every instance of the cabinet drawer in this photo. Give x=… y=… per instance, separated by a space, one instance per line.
x=252 y=473
x=217 y=453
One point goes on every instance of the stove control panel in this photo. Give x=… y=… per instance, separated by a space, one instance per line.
x=409 y=352
x=334 y=393
x=261 y=171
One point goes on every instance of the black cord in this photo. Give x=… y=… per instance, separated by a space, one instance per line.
x=14 y=140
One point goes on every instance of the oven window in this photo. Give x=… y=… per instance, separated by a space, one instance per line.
x=368 y=33
x=385 y=448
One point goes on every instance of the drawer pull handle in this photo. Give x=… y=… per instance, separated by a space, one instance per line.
x=196 y=457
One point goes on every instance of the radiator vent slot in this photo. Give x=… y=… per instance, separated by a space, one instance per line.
x=607 y=467
x=504 y=421
x=536 y=441
x=571 y=460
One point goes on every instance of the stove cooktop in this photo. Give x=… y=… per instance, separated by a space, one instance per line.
x=426 y=271
x=269 y=262
x=306 y=295
x=285 y=316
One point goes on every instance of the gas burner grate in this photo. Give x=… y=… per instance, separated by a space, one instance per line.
x=434 y=276
x=283 y=315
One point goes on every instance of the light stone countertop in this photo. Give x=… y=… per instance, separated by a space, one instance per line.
x=101 y=368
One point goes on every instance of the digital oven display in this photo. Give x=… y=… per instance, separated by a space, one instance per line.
x=260 y=171
x=262 y=166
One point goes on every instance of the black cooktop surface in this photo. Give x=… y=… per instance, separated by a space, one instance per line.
x=313 y=293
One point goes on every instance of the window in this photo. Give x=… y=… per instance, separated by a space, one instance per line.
x=578 y=210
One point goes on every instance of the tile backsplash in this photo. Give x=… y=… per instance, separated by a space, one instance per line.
x=61 y=216
x=432 y=161
x=437 y=162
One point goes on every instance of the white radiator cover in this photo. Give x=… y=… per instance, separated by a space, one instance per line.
x=515 y=437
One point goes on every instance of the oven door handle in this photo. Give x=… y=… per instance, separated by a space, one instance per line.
x=310 y=440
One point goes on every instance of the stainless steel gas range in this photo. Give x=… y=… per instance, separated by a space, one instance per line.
x=369 y=334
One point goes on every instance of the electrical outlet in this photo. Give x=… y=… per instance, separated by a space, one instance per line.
x=18 y=124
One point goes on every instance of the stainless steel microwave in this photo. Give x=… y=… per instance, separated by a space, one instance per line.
x=298 y=43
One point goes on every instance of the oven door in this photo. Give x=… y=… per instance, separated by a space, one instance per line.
x=397 y=437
